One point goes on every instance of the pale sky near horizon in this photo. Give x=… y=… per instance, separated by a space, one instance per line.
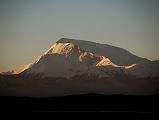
x=29 y=27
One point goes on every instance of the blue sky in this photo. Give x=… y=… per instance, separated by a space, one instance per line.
x=29 y=27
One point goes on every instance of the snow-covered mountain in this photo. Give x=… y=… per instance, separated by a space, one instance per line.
x=69 y=57
x=79 y=67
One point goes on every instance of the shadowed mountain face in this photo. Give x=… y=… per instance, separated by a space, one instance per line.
x=120 y=56
x=117 y=55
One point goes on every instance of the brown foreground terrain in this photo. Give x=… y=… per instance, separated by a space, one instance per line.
x=37 y=86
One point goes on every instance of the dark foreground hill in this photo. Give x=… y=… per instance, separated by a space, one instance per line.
x=85 y=102
x=37 y=86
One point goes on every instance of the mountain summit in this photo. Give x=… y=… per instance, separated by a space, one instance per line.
x=69 y=57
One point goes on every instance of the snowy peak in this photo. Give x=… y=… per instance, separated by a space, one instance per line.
x=63 y=48
x=107 y=62
x=104 y=61
x=71 y=48
x=86 y=56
